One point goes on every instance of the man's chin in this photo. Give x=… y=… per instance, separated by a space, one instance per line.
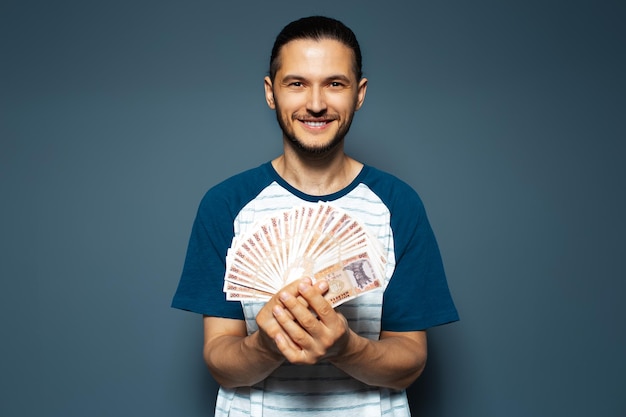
x=315 y=149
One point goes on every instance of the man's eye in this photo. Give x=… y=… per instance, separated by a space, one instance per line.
x=336 y=84
x=296 y=84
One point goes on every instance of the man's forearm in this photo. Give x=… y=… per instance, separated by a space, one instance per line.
x=236 y=361
x=394 y=361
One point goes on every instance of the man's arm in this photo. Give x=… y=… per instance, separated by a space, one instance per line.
x=237 y=359
x=394 y=361
x=234 y=358
x=301 y=326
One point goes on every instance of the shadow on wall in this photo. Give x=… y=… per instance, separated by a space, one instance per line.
x=425 y=394
x=206 y=393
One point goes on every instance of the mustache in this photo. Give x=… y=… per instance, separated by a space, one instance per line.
x=315 y=117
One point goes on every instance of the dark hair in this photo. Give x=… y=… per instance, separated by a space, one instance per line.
x=317 y=28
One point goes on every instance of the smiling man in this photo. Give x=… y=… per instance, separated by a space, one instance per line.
x=296 y=355
x=315 y=92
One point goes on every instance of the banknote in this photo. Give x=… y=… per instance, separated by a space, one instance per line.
x=317 y=240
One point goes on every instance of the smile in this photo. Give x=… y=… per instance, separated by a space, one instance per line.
x=315 y=124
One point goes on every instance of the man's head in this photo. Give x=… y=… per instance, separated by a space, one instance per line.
x=315 y=84
x=316 y=28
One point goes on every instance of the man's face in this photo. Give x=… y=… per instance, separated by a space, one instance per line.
x=315 y=93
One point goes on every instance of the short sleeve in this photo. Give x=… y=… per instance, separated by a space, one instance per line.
x=417 y=296
x=200 y=288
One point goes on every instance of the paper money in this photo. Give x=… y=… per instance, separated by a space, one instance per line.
x=318 y=241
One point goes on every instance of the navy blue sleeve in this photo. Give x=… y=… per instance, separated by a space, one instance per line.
x=417 y=296
x=200 y=288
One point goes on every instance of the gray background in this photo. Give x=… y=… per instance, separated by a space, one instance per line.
x=116 y=117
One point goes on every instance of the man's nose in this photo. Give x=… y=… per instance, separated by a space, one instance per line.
x=316 y=100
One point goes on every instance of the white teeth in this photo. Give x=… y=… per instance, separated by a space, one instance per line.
x=315 y=124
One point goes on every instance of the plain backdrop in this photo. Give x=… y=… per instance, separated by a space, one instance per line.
x=506 y=116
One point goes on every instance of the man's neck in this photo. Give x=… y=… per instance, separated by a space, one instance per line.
x=317 y=175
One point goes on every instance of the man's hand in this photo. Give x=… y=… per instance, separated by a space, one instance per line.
x=269 y=328
x=310 y=329
x=301 y=326
x=238 y=359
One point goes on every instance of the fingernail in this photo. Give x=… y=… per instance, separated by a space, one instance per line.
x=278 y=311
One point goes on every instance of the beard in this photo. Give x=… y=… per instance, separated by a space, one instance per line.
x=320 y=149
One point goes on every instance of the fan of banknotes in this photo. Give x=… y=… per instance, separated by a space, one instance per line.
x=317 y=241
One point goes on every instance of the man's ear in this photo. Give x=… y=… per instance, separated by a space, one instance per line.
x=362 y=89
x=269 y=93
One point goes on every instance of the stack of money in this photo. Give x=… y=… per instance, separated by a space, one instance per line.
x=318 y=241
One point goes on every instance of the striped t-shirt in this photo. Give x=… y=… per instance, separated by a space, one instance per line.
x=415 y=294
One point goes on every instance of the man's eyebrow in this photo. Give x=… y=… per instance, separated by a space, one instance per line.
x=291 y=77
x=339 y=77
x=296 y=77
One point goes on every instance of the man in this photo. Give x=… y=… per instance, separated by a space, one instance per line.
x=295 y=354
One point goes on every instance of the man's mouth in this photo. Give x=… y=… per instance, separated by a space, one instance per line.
x=315 y=124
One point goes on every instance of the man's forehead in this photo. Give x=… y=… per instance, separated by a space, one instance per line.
x=307 y=52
